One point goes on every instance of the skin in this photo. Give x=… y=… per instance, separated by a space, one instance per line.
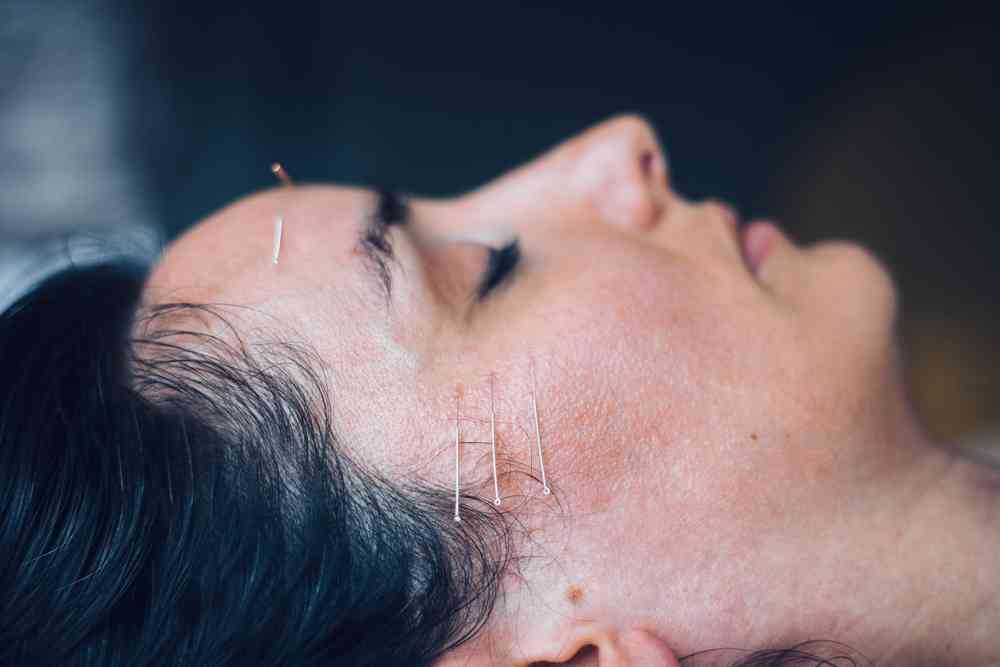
x=733 y=456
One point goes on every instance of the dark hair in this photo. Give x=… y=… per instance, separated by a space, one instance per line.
x=175 y=497
x=813 y=653
x=190 y=504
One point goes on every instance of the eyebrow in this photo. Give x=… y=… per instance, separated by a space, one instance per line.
x=374 y=241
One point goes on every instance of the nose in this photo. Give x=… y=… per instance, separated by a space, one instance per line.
x=619 y=170
x=614 y=173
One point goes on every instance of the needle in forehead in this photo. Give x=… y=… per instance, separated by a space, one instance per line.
x=279 y=222
x=279 y=225
x=281 y=174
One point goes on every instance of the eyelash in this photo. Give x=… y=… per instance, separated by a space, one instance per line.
x=392 y=209
x=502 y=264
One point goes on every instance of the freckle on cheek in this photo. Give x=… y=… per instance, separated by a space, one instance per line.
x=753 y=436
x=574 y=595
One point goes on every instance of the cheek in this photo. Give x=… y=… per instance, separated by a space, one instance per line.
x=657 y=357
x=691 y=389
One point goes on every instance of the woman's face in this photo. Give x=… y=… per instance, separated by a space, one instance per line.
x=714 y=417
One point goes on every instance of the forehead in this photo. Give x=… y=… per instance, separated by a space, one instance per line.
x=320 y=292
x=228 y=256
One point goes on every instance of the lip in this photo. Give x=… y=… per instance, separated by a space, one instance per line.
x=757 y=240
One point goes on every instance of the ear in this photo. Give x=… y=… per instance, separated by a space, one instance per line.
x=589 y=645
x=584 y=645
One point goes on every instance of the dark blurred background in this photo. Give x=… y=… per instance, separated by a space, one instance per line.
x=875 y=122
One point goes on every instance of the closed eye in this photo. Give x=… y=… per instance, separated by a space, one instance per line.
x=392 y=209
x=501 y=267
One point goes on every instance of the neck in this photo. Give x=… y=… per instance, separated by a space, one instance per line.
x=950 y=555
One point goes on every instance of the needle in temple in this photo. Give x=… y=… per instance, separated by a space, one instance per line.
x=493 y=443
x=458 y=441
x=538 y=436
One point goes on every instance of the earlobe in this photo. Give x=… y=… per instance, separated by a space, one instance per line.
x=644 y=648
x=592 y=646
x=584 y=645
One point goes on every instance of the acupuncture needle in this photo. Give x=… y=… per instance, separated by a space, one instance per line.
x=279 y=222
x=458 y=442
x=538 y=436
x=493 y=442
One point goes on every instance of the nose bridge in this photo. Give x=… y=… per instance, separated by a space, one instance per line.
x=614 y=172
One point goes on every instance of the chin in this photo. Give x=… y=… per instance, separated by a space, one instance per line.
x=863 y=288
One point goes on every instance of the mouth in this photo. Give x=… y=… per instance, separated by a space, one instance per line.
x=754 y=239
x=757 y=239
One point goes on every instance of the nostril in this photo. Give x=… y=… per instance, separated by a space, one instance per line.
x=653 y=167
x=623 y=169
x=646 y=163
